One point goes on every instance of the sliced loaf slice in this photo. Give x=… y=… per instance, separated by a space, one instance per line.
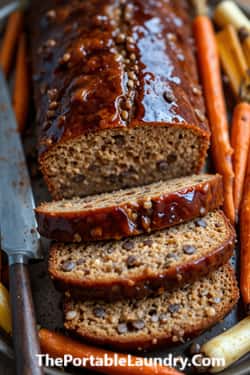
x=151 y=322
x=143 y=265
x=131 y=211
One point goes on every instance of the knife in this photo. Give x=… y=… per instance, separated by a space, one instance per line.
x=19 y=238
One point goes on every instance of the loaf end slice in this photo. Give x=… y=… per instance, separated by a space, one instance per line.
x=143 y=265
x=147 y=155
x=152 y=322
x=110 y=114
x=132 y=211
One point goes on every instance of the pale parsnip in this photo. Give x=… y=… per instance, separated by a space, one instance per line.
x=227 y=12
x=230 y=345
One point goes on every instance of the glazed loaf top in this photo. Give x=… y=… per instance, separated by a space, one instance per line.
x=105 y=64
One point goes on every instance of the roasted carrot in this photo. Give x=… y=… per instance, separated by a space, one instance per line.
x=21 y=88
x=13 y=29
x=240 y=141
x=245 y=240
x=208 y=59
x=232 y=57
x=57 y=345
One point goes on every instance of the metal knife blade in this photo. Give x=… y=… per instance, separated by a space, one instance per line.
x=18 y=224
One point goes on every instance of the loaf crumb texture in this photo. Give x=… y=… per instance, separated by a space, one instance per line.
x=151 y=321
x=130 y=196
x=97 y=162
x=179 y=254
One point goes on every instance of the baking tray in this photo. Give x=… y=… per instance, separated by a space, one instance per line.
x=48 y=301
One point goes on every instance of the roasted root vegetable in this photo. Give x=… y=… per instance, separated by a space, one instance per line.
x=227 y=12
x=57 y=345
x=209 y=65
x=244 y=35
x=230 y=345
x=13 y=30
x=232 y=57
x=245 y=240
x=246 y=50
x=200 y=7
x=5 y=314
x=21 y=88
x=240 y=141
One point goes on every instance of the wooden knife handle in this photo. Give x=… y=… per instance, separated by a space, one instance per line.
x=26 y=344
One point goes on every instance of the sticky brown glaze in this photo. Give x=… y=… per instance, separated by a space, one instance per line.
x=78 y=62
x=125 y=220
x=145 y=285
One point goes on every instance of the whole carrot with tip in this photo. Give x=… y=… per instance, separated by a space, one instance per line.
x=57 y=345
x=209 y=66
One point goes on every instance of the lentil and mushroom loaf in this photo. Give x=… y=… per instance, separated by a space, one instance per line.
x=131 y=211
x=117 y=94
x=143 y=265
x=151 y=322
